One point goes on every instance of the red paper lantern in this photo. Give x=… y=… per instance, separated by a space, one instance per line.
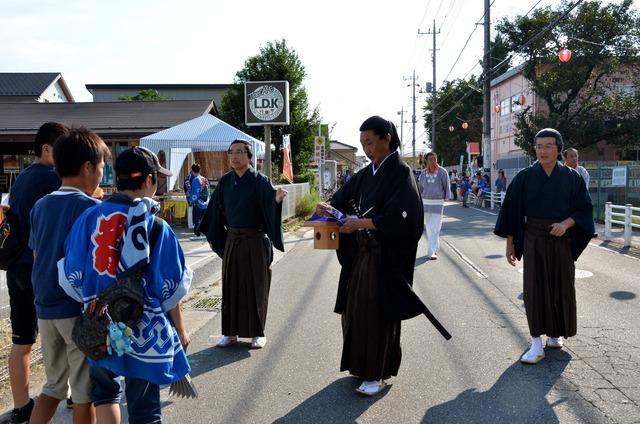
x=465 y=125
x=522 y=100
x=564 y=55
x=497 y=108
x=451 y=128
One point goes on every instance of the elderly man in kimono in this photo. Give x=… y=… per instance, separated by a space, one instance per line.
x=377 y=254
x=547 y=219
x=242 y=224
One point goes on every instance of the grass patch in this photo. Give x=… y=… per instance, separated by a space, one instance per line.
x=306 y=205
x=292 y=224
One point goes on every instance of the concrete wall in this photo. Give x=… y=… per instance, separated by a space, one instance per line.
x=296 y=191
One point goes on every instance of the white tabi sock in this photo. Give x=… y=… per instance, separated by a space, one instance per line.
x=536 y=344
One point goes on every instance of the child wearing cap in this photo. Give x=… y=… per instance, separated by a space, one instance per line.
x=114 y=239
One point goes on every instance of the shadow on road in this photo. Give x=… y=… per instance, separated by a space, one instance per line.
x=622 y=295
x=213 y=358
x=421 y=260
x=519 y=395
x=338 y=402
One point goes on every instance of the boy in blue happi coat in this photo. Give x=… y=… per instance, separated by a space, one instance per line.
x=112 y=240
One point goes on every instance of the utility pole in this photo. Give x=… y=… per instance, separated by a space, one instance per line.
x=486 y=101
x=413 y=119
x=413 y=123
x=433 y=84
x=401 y=113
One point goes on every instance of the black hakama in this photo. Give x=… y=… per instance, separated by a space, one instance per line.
x=549 y=281
x=246 y=277
x=371 y=343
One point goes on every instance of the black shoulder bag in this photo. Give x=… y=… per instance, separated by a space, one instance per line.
x=125 y=300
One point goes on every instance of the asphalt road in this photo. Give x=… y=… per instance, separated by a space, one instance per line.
x=475 y=377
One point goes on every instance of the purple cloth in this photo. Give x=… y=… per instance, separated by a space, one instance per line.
x=335 y=216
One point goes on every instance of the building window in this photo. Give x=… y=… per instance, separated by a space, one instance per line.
x=505 y=107
x=515 y=103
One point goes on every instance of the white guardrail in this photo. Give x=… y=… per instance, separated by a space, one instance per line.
x=611 y=217
x=495 y=198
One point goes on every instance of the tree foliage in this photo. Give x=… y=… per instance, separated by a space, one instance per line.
x=148 y=95
x=451 y=144
x=275 y=62
x=590 y=98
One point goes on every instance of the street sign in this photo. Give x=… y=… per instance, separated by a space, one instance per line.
x=319 y=150
x=619 y=176
x=266 y=103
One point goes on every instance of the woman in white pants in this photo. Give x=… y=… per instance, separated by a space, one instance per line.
x=434 y=190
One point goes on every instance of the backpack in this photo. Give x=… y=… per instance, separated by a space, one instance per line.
x=125 y=302
x=12 y=242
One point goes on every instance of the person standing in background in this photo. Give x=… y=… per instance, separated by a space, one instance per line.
x=571 y=160
x=38 y=180
x=434 y=189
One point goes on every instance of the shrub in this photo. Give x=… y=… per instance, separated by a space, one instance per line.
x=306 y=205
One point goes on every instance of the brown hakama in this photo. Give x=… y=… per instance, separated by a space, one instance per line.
x=371 y=346
x=246 y=279
x=549 y=281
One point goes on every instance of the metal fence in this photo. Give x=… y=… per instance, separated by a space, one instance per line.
x=295 y=191
x=603 y=190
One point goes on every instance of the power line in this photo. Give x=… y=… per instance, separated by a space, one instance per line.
x=466 y=44
x=446 y=14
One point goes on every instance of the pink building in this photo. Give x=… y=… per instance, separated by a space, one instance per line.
x=507 y=93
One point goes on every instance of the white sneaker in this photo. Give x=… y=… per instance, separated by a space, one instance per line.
x=532 y=356
x=371 y=388
x=555 y=342
x=258 y=342
x=225 y=341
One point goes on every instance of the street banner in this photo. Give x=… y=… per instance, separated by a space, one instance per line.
x=287 y=165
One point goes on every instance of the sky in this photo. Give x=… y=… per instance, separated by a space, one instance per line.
x=359 y=55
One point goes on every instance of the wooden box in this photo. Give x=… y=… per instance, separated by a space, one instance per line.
x=326 y=235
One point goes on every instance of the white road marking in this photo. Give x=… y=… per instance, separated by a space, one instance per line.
x=612 y=251
x=481 y=210
x=479 y=272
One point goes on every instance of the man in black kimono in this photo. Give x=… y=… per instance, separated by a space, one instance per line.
x=547 y=218
x=243 y=224
x=377 y=253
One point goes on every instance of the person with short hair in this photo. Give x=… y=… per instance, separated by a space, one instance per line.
x=547 y=219
x=243 y=223
x=121 y=237
x=501 y=182
x=571 y=160
x=198 y=194
x=435 y=188
x=79 y=157
x=36 y=181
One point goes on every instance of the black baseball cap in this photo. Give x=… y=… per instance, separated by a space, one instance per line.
x=138 y=161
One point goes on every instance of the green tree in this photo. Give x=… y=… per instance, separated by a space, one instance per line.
x=591 y=97
x=451 y=144
x=148 y=95
x=276 y=62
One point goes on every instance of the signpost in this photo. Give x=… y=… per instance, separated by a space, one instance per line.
x=619 y=176
x=266 y=103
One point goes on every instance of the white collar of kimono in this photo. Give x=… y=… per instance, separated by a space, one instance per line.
x=373 y=165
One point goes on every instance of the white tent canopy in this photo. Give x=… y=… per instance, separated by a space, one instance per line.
x=203 y=134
